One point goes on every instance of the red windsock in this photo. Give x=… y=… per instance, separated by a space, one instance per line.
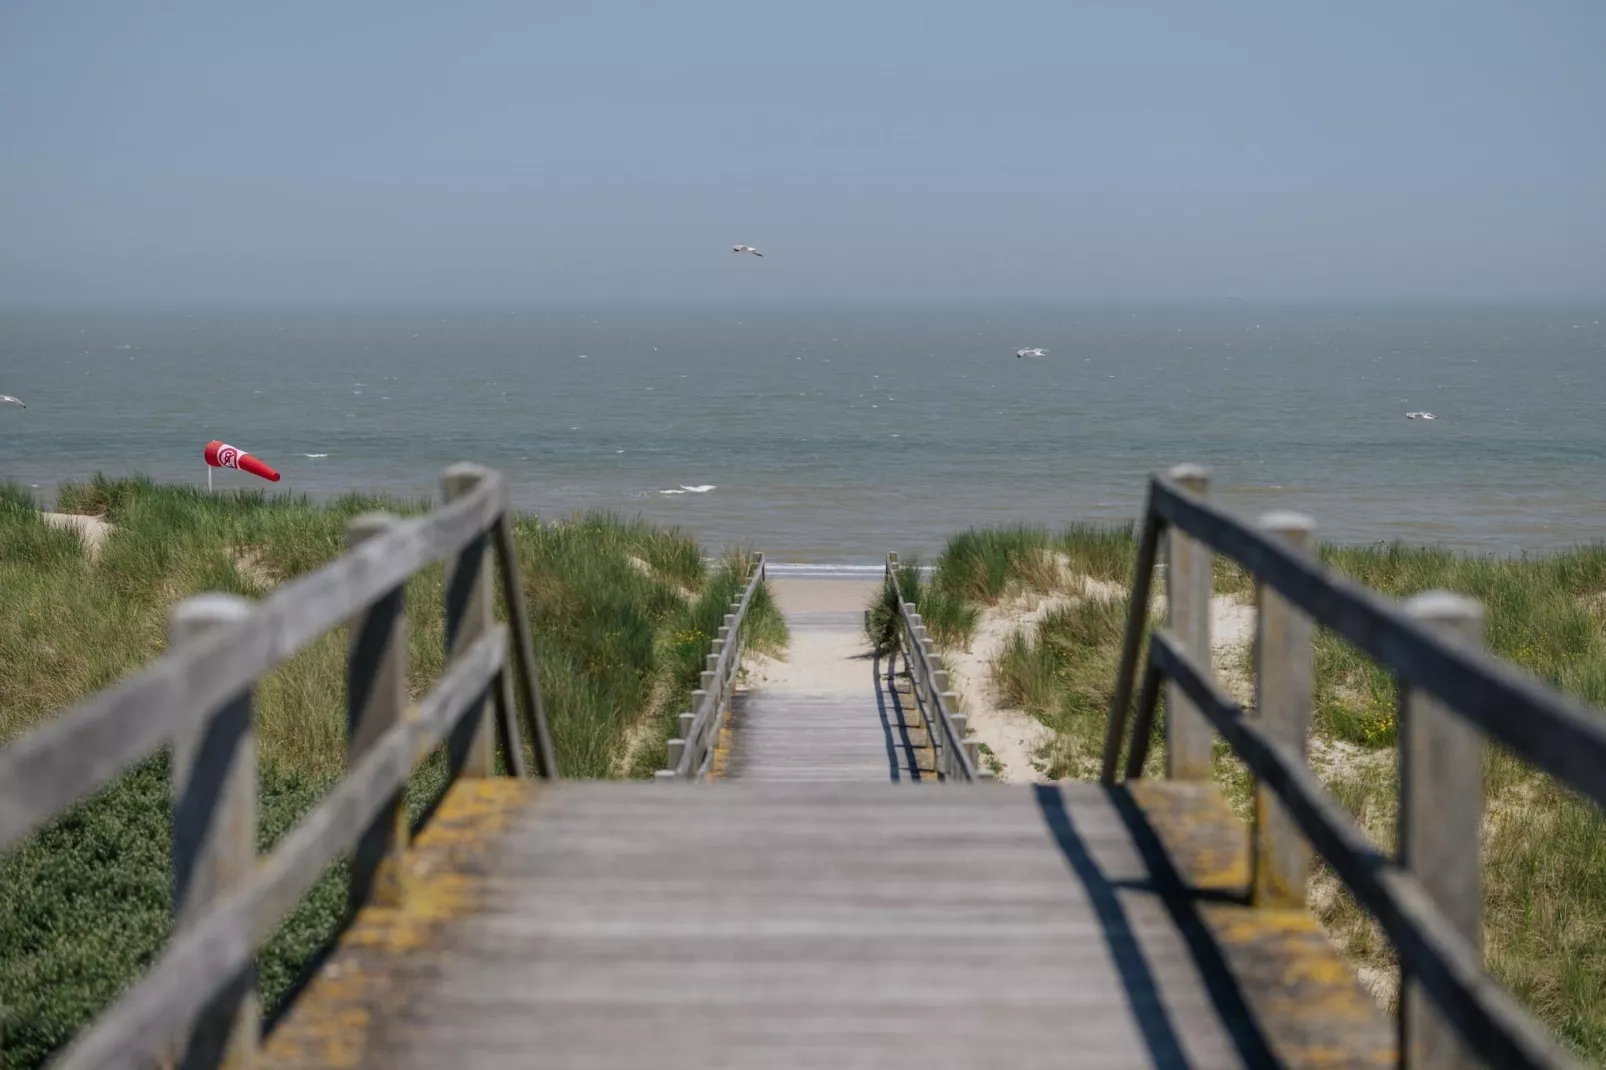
x=222 y=455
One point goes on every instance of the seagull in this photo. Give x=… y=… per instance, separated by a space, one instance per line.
x=7 y=399
x=1034 y=352
x=1420 y=416
x=746 y=249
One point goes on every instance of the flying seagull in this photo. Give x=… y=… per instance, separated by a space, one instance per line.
x=1036 y=351
x=1420 y=416
x=746 y=249
x=7 y=399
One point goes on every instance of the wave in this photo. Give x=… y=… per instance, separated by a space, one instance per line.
x=315 y=455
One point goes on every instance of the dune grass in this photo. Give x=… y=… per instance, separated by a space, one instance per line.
x=1544 y=849
x=621 y=613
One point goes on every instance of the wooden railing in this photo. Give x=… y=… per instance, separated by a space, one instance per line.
x=197 y=1006
x=691 y=754
x=1428 y=901
x=955 y=752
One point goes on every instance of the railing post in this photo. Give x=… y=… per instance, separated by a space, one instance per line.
x=1441 y=813
x=214 y=837
x=546 y=764
x=376 y=701
x=1283 y=686
x=1189 y=738
x=942 y=747
x=472 y=747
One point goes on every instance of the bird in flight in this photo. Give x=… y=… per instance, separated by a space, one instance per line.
x=746 y=249
x=1420 y=416
x=7 y=399
x=1035 y=351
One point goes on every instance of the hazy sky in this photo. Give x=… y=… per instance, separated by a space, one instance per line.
x=185 y=151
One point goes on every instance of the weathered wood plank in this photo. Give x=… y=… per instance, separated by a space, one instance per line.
x=518 y=614
x=83 y=748
x=207 y=955
x=1441 y=816
x=1284 y=683
x=214 y=838
x=1556 y=733
x=1189 y=746
x=1137 y=621
x=376 y=700
x=1448 y=967
x=832 y=925
x=469 y=615
x=797 y=731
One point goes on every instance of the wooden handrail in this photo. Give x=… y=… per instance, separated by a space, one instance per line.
x=955 y=750
x=691 y=753
x=1446 y=963
x=1559 y=734
x=1451 y=1011
x=199 y=1002
x=207 y=955
x=82 y=749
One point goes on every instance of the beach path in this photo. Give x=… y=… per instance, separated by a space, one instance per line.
x=825 y=713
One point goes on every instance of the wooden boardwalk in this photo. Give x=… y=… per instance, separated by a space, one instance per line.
x=826 y=925
x=828 y=712
x=807 y=907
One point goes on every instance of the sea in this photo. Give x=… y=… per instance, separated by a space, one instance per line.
x=826 y=437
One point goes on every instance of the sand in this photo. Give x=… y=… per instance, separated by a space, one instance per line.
x=1015 y=736
x=92 y=529
x=829 y=652
x=823 y=596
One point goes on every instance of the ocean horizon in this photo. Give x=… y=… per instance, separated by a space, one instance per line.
x=827 y=436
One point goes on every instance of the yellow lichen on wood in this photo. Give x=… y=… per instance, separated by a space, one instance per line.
x=443 y=879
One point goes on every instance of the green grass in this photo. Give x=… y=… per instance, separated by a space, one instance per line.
x=621 y=614
x=948 y=616
x=1063 y=674
x=1544 y=849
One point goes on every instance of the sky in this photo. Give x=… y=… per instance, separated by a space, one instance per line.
x=403 y=152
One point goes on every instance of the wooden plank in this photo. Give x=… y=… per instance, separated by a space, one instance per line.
x=1284 y=683
x=1445 y=964
x=376 y=700
x=518 y=614
x=81 y=750
x=1564 y=737
x=1143 y=722
x=831 y=925
x=1189 y=745
x=207 y=955
x=843 y=732
x=506 y=715
x=214 y=838
x=1441 y=814
x=1137 y=623
x=469 y=615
